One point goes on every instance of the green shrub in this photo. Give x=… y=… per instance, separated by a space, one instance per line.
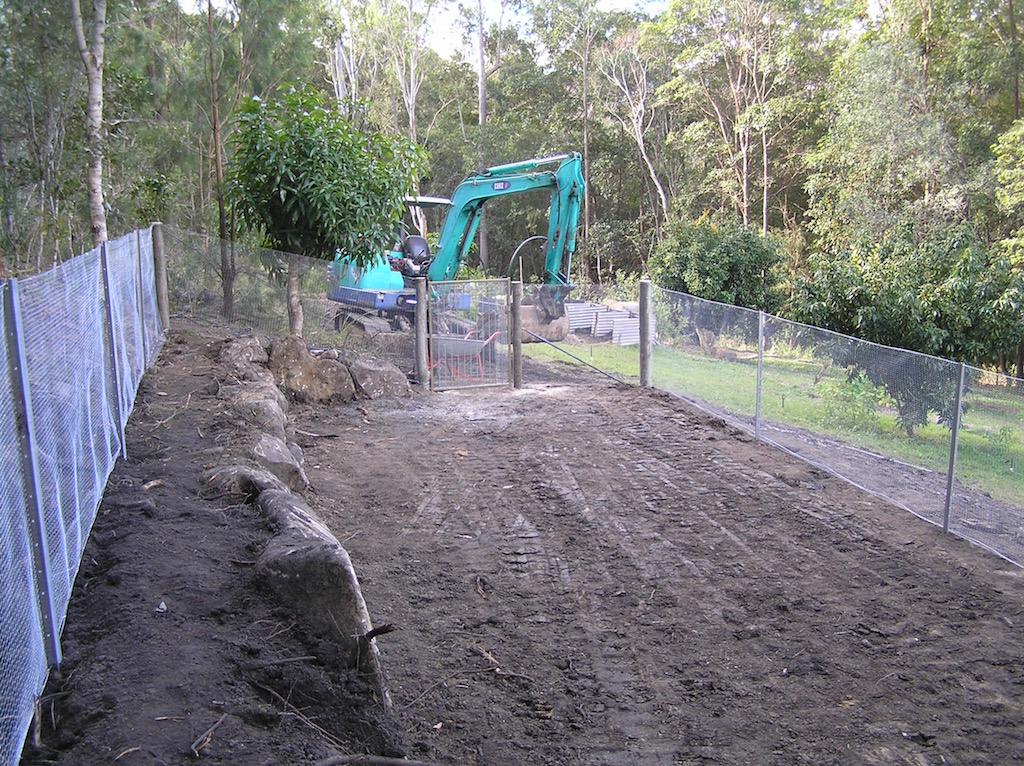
x=853 y=403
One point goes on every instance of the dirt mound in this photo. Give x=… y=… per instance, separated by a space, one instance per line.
x=174 y=645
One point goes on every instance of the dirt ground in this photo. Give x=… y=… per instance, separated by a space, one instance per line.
x=579 y=573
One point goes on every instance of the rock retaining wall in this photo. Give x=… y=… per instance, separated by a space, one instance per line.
x=304 y=564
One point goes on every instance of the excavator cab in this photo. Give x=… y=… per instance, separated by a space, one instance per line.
x=416 y=248
x=415 y=256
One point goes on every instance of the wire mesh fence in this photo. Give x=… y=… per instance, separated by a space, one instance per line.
x=468 y=334
x=22 y=655
x=260 y=298
x=77 y=341
x=988 y=496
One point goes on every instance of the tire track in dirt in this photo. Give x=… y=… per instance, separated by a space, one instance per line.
x=857 y=543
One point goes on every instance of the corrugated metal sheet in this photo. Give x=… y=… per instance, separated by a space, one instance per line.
x=623 y=327
x=604 y=321
x=581 y=315
x=626 y=331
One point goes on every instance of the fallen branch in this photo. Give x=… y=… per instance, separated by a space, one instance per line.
x=444 y=681
x=371 y=760
x=285 y=661
x=315 y=436
x=362 y=647
x=380 y=630
x=204 y=739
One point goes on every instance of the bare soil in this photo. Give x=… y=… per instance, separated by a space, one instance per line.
x=580 y=572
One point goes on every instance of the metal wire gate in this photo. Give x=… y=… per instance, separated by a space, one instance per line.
x=468 y=337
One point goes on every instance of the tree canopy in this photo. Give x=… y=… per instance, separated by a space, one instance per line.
x=827 y=128
x=722 y=261
x=946 y=295
x=313 y=183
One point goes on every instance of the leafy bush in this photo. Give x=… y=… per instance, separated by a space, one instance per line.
x=720 y=260
x=314 y=183
x=853 y=403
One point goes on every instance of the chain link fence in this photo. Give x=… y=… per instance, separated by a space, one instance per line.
x=77 y=341
x=468 y=343
x=934 y=437
x=260 y=298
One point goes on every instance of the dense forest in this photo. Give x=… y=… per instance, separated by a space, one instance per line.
x=864 y=164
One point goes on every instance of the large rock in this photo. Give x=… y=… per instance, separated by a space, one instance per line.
x=306 y=378
x=245 y=350
x=238 y=479
x=375 y=378
x=281 y=459
x=554 y=331
x=261 y=403
x=308 y=569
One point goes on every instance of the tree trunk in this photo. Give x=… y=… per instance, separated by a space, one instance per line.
x=766 y=184
x=91 y=52
x=481 y=98
x=227 y=276
x=294 y=304
x=586 y=146
x=745 y=173
x=1014 y=63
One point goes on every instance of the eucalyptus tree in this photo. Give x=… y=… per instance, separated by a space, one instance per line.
x=490 y=35
x=355 y=53
x=627 y=67
x=1009 y=151
x=40 y=81
x=572 y=31
x=887 y=159
x=405 y=35
x=747 y=72
x=90 y=38
x=968 y=64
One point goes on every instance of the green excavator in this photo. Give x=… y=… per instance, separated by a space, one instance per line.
x=386 y=284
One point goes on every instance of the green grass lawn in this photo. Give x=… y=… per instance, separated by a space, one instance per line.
x=621 y=361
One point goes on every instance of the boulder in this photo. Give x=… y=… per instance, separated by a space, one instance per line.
x=308 y=569
x=306 y=378
x=335 y=381
x=276 y=456
x=257 y=374
x=375 y=378
x=262 y=404
x=240 y=479
x=287 y=354
x=244 y=351
x=554 y=331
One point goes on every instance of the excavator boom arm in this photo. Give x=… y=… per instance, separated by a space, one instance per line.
x=566 y=185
